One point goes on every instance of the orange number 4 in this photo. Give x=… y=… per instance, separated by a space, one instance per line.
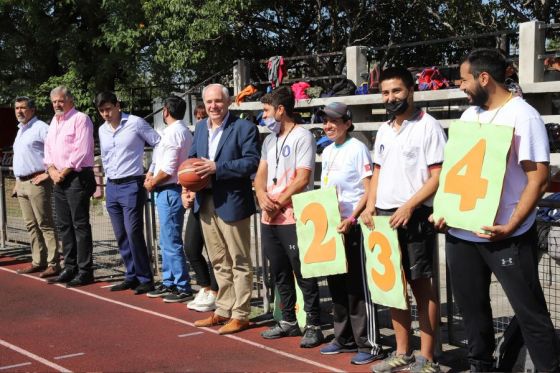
x=385 y=281
x=318 y=251
x=470 y=186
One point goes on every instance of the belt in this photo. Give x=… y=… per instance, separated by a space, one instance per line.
x=127 y=179
x=29 y=177
x=161 y=188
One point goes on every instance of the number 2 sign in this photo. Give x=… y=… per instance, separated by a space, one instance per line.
x=321 y=250
x=470 y=184
x=385 y=277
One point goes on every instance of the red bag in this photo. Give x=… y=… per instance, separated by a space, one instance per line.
x=299 y=90
x=431 y=79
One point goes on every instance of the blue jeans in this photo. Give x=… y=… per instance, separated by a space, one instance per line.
x=175 y=270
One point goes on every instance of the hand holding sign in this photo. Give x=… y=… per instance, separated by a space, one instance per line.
x=321 y=249
x=385 y=279
x=472 y=176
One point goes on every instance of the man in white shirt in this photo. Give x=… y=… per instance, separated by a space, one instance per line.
x=171 y=151
x=407 y=163
x=508 y=249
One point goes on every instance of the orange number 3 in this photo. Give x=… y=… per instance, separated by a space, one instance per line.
x=318 y=251
x=470 y=186
x=385 y=281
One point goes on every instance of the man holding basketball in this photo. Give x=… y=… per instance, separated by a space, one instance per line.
x=171 y=151
x=122 y=139
x=229 y=152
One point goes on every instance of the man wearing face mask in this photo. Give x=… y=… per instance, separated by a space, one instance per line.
x=407 y=162
x=508 y=249
x=286 y=168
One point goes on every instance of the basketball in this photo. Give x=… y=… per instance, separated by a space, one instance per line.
x=188 y=178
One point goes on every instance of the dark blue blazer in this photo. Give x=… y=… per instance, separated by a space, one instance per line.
x=237 y=159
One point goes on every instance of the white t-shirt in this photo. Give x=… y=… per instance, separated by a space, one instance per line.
x=530 y=143
x=345 y=166
x=172 y=150
x=404 y=158
x=295 y=150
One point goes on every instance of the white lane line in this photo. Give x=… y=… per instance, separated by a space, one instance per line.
x=189 y=334
x=68 y=356
x=14 y=366
x=34 y=357
x=164 y=316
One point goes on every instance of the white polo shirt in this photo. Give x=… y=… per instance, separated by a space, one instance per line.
x=530 y=143
x=344 y=167
x=404 y=158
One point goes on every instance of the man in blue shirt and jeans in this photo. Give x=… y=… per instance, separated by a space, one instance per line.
x=122 y=139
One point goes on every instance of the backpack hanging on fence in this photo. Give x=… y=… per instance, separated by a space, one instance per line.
x=299 y=90
x=511 y=353
x=431 y=79
x=344 y=87
x=246 y=92
x=363 y=89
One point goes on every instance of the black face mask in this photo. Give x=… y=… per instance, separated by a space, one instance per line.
x=396 y=107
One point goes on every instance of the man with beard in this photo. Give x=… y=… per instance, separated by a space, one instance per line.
x=407 y=162
x=508 y=249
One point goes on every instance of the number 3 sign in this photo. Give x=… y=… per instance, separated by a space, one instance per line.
x=321 y=250
x=385 y=277
x=470 y=184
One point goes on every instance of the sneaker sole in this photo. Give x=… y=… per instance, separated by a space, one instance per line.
x=202 y=308
x=156 y=295
x=176 y=300
x=343 y=351
x=281 y=336
x=369 y=361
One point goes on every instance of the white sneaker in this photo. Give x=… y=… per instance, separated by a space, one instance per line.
x=200 y=297
x=206 y=304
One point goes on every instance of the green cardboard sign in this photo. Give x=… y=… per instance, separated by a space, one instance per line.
x=321 y=250
x=472 y=177
x=301 y=316
x=384 y=275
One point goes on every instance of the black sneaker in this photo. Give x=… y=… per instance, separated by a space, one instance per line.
x=282 y=329
x=177 y=296
x=312 y=337
x=160 y=291
x=144 y=288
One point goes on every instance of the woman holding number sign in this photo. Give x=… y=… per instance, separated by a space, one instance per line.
x=347 y=166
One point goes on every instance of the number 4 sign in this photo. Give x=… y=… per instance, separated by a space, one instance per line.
x=321 y=250
x=470 y=184
x=385 y=277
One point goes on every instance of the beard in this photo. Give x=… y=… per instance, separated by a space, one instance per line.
x=478 y=97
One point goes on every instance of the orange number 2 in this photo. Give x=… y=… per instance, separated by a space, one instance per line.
x=385 y=281
x=318 y=251
x=470 y=186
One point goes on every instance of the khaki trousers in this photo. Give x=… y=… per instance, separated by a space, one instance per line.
x=36 y=207
x=229 y=249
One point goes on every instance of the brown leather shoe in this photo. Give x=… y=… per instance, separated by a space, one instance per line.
x=211 y=321
x=30 y=269
x=50 y=271
x=234 y=326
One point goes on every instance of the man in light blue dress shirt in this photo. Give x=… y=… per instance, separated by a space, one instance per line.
x=34 y=189
x=122 y=139
x=172 y=150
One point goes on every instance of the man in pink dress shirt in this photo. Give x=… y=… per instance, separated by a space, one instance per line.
x=69 y=161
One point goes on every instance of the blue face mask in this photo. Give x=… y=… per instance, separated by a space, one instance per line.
x=272 y=124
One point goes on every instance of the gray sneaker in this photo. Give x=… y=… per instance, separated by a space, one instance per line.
x=423 y=365
x=394 y=363
x=282 y=329
x=312 y=337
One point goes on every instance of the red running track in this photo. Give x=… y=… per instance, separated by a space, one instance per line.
x=53 y=328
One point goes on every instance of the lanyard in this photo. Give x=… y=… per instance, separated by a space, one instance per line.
x=274 y=179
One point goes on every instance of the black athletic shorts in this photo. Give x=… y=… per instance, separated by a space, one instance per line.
x=418 y=242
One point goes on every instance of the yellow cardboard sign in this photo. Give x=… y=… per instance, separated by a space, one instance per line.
x=321 y=250
x=384 y=275
x=472 y=177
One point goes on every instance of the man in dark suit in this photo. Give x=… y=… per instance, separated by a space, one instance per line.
x=228 y=147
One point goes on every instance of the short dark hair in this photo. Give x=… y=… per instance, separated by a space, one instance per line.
x=176 y=106
x=487 y=60
x=397 y=72
x=105 y=98
x=200 y=108
x=281 y=96
x=30 y=101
